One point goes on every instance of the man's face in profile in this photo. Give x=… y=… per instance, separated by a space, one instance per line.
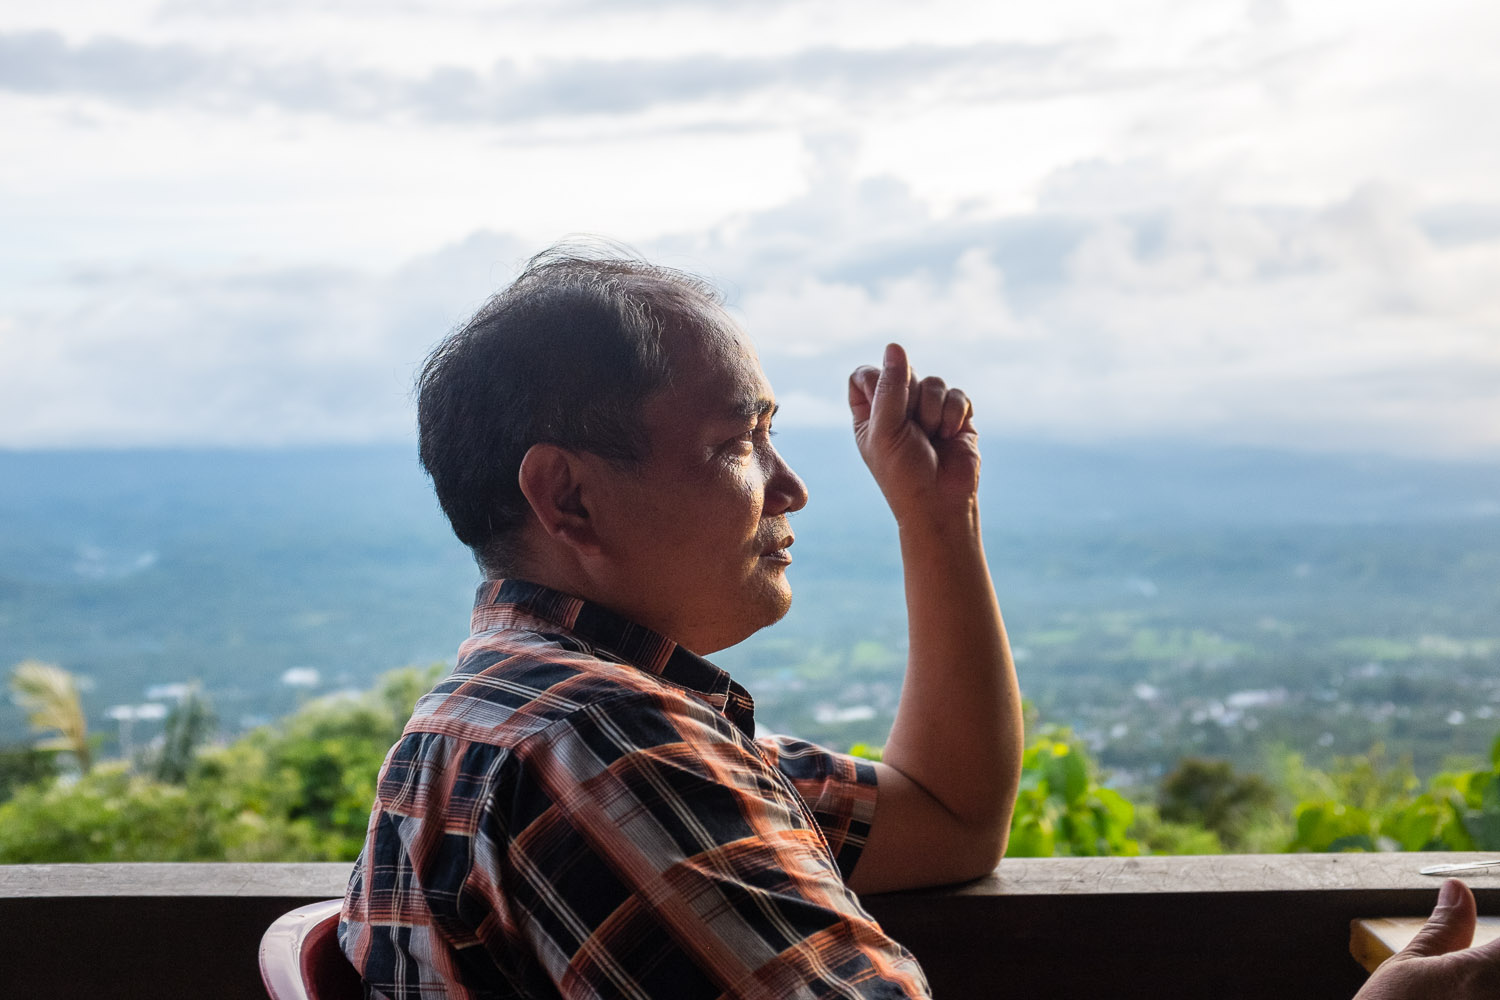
x=697 y=534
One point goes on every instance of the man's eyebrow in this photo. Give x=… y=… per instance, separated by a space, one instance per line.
x=753 y=407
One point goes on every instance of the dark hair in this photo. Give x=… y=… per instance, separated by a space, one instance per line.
x=566 y=355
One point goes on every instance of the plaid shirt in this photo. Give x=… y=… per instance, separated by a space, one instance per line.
x=580 y=809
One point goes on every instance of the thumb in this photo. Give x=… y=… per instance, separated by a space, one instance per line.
x=1451 y=926
x=892 y=392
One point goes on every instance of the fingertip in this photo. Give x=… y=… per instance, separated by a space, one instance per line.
x=956 y=411
x=1450 y=893
x=894 y=370
x=1450 y=927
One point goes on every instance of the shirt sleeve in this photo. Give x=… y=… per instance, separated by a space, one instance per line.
x=838 y=789
x=653 y=850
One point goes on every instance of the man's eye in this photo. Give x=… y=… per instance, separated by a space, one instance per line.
x=745 y=443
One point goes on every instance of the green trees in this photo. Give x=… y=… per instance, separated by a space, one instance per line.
x=107 y=815
x=297 y=792
x=301 y=791
x=317 y=770
x=1062 y=809
x=23 y=765
x=1366 y=804
x=50 y=698
x=189 y=724
x=1210 y=795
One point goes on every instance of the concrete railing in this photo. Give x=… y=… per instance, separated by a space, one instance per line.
x=1257 y=926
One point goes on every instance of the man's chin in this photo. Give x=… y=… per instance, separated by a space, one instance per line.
x=760 y=607
x=779 y=602
x=779 y=612
x=770 y=605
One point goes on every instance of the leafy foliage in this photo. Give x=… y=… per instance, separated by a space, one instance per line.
x=22 y=765
x=1159 y=836
x=300 y=792
x=112 y=815
x=189 y=724
x=1211 y=795
x=49 y=696
x=1363 y=804
x=1062 y=809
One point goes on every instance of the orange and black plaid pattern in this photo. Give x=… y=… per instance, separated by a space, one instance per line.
x=581 y=810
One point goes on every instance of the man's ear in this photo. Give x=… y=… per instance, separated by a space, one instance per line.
x=552 y=480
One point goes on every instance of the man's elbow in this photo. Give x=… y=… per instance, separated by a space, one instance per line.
x=982 y=830
x=981 y=848
x=992 y=852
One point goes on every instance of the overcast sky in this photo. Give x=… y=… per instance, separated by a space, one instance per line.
x=1262 y=222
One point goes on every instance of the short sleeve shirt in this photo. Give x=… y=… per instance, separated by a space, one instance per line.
x=581 y=809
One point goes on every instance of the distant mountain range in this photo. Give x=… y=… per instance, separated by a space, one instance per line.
x=270 y=575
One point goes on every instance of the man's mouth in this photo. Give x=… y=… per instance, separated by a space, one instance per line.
x=778 y=552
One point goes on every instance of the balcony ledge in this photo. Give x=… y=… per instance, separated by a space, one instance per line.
x=1221 y=927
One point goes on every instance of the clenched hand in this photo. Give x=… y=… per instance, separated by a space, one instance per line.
x=917 y=437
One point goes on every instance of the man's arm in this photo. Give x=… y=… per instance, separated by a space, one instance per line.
x=952 y=761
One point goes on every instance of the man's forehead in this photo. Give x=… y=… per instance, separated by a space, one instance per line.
x=721 y=369
x=742 y=390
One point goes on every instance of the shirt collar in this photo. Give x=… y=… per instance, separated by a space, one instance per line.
x=520 y=604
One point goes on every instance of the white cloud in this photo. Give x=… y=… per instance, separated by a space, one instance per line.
x=264 y=358
x=1236 y=220
x=1342 y=327
x=812 y=317
x=231 y=81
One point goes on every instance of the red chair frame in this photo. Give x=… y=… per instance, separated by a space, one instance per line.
x=300 y=957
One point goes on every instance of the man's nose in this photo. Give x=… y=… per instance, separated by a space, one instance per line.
x=786 y=492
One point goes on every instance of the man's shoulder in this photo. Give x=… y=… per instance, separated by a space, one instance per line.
x=522 y=709
x=510 y=685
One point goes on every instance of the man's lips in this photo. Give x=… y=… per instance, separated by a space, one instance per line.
x=778 y=550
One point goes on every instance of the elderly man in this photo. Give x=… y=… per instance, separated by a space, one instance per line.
x=582 y=807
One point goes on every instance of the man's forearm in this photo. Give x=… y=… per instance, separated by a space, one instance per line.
x=952 y=762
x=957 y=732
